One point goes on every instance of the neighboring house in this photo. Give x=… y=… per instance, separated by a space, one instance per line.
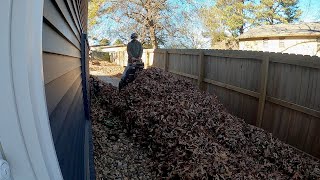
x=45 y=127
x=287 y=38
x=104 y=48
x=226 y=44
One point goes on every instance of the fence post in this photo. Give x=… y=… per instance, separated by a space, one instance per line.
x=201 y=70
x=119 y=59
x=263 y=89
x=125 y=60
x=166 y=61
x=147 y=59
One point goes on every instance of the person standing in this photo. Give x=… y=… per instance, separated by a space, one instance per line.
x=134 y=50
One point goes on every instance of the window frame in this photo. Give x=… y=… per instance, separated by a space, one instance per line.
x=265 y=43
x=281 y=43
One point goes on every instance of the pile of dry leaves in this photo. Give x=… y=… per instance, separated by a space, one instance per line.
x=188 y=134
x=116 y=156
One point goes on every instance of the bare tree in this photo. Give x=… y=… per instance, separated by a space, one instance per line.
x=153 y=20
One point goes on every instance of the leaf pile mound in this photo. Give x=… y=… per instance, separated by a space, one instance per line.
x=190 y=135
x=116 y=156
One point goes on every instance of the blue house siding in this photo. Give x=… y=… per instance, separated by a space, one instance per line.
x=64 y=23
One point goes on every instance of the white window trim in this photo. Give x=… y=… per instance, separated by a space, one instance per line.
x=25 y=132
x=282 y=42
x=265 y=44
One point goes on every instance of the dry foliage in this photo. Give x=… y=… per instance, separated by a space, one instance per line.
x=116 y=156
x=190 y=135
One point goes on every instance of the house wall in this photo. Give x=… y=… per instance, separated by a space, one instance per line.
x=292 y=45
x=25 y=133
x=64 y=23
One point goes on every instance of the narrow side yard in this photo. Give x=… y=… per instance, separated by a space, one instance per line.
x=105 y=68
x=106 y=71
x=116 y=156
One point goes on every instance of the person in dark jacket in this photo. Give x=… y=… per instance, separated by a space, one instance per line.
x=134 y=50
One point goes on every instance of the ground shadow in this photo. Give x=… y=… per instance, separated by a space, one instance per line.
x=113 y=80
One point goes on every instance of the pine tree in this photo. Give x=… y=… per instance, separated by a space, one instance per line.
x=277 y=11
x=227 y=19
x=104 y=42
x=291 y=10
x=118 y=42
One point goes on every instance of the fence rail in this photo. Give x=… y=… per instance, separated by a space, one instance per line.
x=277 y=92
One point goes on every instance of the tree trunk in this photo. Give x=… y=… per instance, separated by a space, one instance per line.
x=242 y=14
x=151 y=25
x=154 y=41
x=241 y=29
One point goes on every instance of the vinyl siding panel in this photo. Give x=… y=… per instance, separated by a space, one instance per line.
x=56 y=66
x=58 y=88
x=73 y=14
x=64 y=81
x=62 y=6
x=53 y=42
x=69 y=148
x=51 y=14
x=76 y=10
x=58 y=116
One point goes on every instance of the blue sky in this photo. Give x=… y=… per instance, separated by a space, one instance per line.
x=310 y=8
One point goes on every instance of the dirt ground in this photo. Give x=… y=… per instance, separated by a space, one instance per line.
x=105 y=68
x=106 y=71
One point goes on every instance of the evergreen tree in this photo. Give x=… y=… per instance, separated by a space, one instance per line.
x=104 y=42
x=277 y=11
x=118 y=42
x=227 y=19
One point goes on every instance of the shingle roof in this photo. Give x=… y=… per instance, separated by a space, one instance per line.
x=283 y=30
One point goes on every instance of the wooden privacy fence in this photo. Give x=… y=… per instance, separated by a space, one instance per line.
x=120 y=56
x=277 y=92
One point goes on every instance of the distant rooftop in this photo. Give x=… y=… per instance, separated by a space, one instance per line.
x=109 y=46
x=283 y=30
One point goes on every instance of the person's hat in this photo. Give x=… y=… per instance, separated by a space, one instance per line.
x=134 y=36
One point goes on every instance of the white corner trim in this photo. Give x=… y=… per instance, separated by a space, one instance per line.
x=28 y=83
x=13 y=147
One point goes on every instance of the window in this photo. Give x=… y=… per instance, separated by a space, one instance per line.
x=265 y=43
x=281 y=43
x=246 y=44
